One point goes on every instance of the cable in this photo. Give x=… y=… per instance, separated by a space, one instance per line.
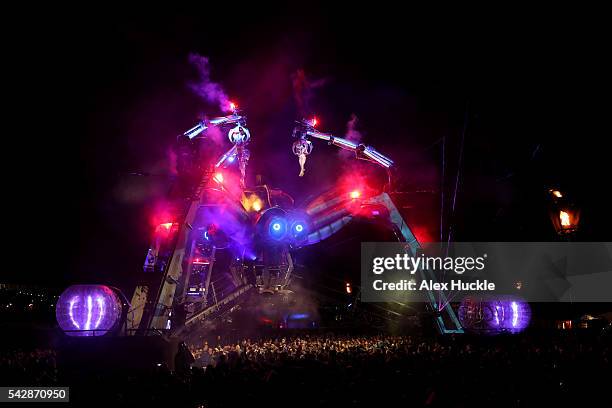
x=465 y=123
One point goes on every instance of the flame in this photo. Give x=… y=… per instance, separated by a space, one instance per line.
x=565 y=219
x=252 y=203
x=557 y=193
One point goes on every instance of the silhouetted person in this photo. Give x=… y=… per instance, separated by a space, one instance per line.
x=183 y=360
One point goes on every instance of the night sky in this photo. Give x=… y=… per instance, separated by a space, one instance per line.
x=104 y=95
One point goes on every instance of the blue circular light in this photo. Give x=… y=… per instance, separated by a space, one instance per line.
x=299 y=228
x=277 y=228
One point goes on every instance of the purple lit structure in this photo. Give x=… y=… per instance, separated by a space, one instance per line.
x=88 y=310
x=494 y=316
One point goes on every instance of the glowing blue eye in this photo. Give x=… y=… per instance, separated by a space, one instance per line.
x=299 y=228
x=277 y=229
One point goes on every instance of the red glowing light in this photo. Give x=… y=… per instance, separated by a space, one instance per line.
x=314 y=121
x=422 y=233
x=349 y=289
x=233 y=106
x=355 y=194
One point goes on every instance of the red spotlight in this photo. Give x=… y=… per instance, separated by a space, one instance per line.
x=314 y=121
x=355 y=194
x=233 y=106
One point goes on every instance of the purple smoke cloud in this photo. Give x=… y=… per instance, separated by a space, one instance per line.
x=205 y=87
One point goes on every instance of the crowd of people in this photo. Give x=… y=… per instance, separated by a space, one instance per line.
x=338 y=370
x=455 y=371
x=38 y=366
x=295 y=348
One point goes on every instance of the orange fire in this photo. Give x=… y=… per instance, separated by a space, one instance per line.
x=256 y=205
x=252 y=203
x=565 y=219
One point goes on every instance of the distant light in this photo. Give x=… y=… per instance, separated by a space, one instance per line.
x=218 y=178
x=314 y=121
x=355 y=194
x=276 y=226
x=231 y=159
x=256 y=205
x=349 y=289
x=556 y=193
x=233 y=106
x=299 y=228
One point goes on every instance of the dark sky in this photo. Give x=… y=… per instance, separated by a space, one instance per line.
x=104 y=94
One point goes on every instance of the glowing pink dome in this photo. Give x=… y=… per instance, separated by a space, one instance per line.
x=495 y=315
x=88 y=310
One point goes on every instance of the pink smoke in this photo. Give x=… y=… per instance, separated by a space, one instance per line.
x=205 y=87
x=172 y=161
x=214 y=134
x=352 y=133
x=303 y=90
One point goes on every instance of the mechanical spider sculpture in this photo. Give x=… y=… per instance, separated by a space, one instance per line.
x=225 y=239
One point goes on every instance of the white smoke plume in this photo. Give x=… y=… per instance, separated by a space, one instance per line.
x=352 y=134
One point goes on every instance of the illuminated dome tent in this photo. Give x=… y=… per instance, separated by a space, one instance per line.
x=89 y=310
x=505 y=314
